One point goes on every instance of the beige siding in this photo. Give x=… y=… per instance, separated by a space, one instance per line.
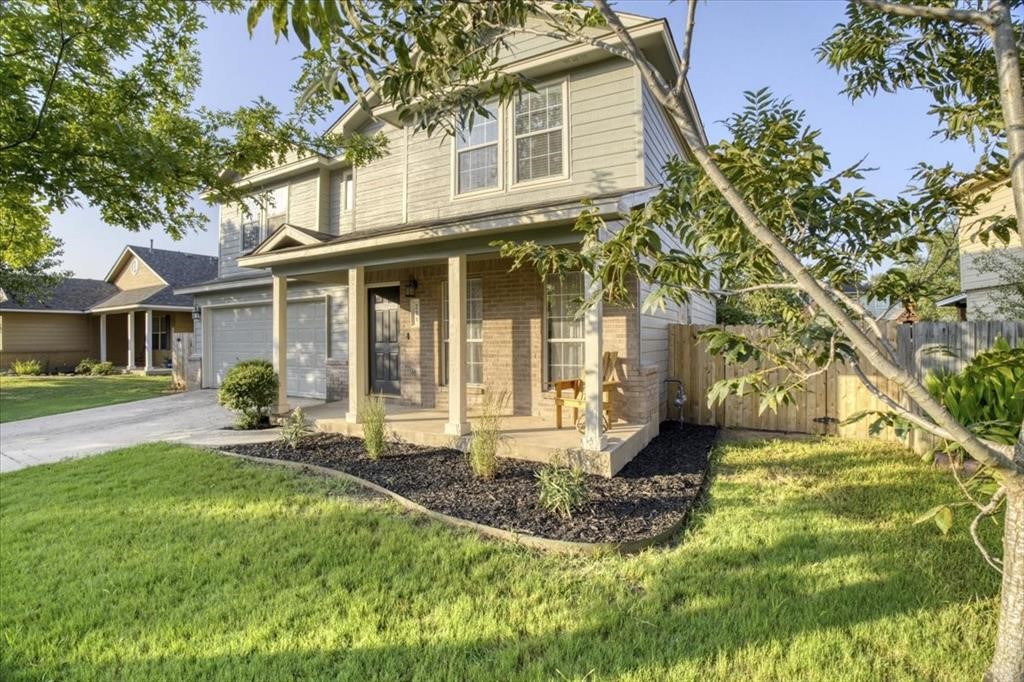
x=379 y=185
x=57 y=340
x=302 y=201
x=303 y=209
x=145 y=277
x=602 y=158
x=339 y=219
x=660 y=144
x=979 y=285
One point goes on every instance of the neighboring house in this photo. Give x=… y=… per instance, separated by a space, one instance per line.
x=127 y=318
x=393 y=284
x=980 y=273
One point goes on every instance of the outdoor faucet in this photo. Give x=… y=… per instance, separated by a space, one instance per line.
x=680 y=398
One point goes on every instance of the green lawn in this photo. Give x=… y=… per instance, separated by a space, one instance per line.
x=27 y=397
x=162 y=562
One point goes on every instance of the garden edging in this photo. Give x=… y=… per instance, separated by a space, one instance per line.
x=532 y=541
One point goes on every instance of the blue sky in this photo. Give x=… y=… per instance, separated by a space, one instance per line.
x=738 y=45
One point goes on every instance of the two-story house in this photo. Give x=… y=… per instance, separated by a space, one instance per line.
x=384 y=278
x=985 y=268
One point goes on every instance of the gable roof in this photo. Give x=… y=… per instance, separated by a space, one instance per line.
x=290 y=235
x=175 y=268
x=73 y=294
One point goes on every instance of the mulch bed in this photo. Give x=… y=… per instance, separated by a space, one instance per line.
x=651 y=494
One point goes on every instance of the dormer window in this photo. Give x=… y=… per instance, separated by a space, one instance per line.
x=476 y=149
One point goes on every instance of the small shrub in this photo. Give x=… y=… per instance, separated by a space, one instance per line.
x=102 y=368
x=85 y=366
x=250 y=389
x=987 y=396
x=486 y=438
x=562 y=489
x=372 y=416
x=27 y=368
x=295 y=429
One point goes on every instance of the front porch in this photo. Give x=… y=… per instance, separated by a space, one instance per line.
x=138 y=340
x=437 y=327
x=525 y=436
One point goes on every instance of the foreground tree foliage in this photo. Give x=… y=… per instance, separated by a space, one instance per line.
x=773 y=213
x=98 y=107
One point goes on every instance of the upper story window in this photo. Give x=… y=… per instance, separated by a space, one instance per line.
x=539 y=133
x=347 y=191
x=476 y=149
x=265 y=213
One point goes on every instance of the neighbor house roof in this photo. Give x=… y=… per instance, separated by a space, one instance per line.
x=73 y=294
x=176 y=268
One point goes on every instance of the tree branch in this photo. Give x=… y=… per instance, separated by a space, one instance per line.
x=962 y=16
x=684 y=64
x=988 y=510
x=796 y=269
x=64 y=42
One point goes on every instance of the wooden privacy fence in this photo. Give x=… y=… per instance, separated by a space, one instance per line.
x=835 y=395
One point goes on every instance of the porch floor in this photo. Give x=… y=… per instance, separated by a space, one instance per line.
x=526 y=437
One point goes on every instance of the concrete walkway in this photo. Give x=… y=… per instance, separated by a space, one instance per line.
x=193 y=417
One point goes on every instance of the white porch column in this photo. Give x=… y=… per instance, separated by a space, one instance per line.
x=103 y=337
x=131 y=340
x=358 y=338
x=593 y=436
x=280 y=330
x=457 y=425
x=148 y=341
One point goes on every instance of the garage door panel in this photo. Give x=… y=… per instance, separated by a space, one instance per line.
x=246 y=333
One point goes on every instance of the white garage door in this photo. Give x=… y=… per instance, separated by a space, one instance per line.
x=245 y=333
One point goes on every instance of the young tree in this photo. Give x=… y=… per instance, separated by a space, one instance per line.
x=772 y=214
x=98 y=107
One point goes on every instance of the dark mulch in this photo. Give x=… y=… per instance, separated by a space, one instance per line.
x=648 y=496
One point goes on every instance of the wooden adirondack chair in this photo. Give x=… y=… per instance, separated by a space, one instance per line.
x=578 y=400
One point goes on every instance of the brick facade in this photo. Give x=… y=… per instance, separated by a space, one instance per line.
x=513 y=341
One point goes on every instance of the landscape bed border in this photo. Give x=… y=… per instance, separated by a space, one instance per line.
x=549 y=545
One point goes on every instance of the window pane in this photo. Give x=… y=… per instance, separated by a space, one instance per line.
x=539 y=155
x=564 y=327
x=482 y=130
x=478 y=168
x=474 y=332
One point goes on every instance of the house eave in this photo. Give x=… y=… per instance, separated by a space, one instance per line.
x=140 y=306
x=41 y=310
x=212 y=287
x=452 y=230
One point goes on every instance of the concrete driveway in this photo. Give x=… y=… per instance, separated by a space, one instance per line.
x=193 y=417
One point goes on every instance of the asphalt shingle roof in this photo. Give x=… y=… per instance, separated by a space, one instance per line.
x=176 y=268
x=73 y=293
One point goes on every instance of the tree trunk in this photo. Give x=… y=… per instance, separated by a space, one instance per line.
x=1008 y=661
x=1011 y=94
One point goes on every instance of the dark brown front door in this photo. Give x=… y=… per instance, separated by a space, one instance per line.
x=384 y=336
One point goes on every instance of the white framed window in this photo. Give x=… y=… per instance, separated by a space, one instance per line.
x=563 y=328
x=275 y=205
x=474 y=332
x=161 y=332
x=265 y=213
x=476 y=153
x=539 y=133
x=347 y=191
x=252 y=223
